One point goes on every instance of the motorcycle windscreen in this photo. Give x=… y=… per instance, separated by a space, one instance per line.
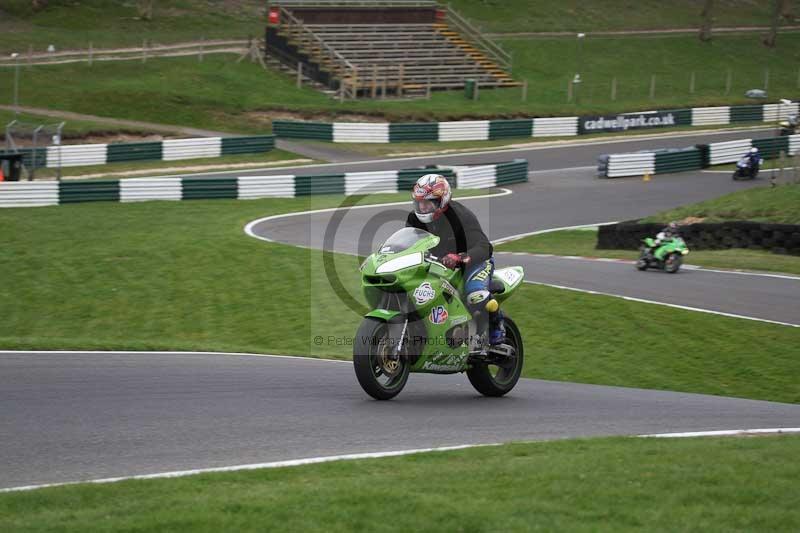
x=404 y=239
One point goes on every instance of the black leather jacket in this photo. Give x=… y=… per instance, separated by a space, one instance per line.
x=459 y=232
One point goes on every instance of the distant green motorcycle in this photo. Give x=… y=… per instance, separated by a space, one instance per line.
x=668 y=256
x=419 y=322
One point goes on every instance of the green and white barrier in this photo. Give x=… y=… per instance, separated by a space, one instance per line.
x=693 y=158
x=483 y=130
x=78 y=155
x=30 y=194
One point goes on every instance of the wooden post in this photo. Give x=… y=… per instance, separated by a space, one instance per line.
x=383 y=89
x=400 y=80
x=766 y=79
x=475 y=94
x=524 y=90
x=569 y=90
x=428 y=90
x=691 y=83
x=374 y=91
x=299 y=74
x=728 y=80
x=652 y=86
x=614 y=89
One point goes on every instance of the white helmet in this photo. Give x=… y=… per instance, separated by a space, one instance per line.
x=431 y=197
x=753 y=150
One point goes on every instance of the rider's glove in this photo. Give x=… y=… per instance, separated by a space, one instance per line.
x=451 y=261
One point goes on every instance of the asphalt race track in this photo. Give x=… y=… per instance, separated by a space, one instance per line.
x=79 y=416
x=90 y=416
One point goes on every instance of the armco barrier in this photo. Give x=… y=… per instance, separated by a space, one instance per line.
x=28 y=194
x=72 y=155
x=780 y=238
x=693 y=158
x=478 y=130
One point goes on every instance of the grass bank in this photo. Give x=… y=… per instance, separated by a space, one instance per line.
x=184 y=276
x=762 y=204
x=219 y=94
x=108 y=23
x=619 y=484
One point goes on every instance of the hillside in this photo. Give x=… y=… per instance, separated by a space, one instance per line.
x=74 y=23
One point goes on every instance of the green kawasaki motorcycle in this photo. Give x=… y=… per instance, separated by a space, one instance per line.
x=419 y=322
x=668 y=256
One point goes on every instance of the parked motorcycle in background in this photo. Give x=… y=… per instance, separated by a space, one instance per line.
x=789 y=126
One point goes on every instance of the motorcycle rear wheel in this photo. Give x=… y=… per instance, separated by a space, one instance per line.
x=379 y=374
x=641 y=263
x=494 y=380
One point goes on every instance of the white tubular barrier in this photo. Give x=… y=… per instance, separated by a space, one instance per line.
x=474 y=130
x=370 y=182
x=555 y=127
x=631 y=164
x=191 y=148
x=476 y=177
x=729 y=151
x=143 y=189
x=28 y=194
x=251 y=187
x=776 y=112
x=347 y=132
x=794 y=144
x=76 y=155
x=704 y=116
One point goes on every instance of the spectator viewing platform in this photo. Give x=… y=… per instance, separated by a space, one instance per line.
x=377 y=48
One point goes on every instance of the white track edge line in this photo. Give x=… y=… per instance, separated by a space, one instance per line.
x=654 y=302
x=248 y=229
x=366 y=455
x=254 y=466
x=169 y=352
x=724 y=433
x=503 y=240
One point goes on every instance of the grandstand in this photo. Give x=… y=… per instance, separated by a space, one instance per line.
x=383 y=47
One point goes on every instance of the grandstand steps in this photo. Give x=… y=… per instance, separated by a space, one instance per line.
x=405 y=58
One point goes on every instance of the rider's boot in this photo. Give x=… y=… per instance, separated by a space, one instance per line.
x=497 y=331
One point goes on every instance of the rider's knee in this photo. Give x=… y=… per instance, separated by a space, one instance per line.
x=477 y=300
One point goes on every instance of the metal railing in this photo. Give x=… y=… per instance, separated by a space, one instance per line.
x=476 y=38
x=315 y=46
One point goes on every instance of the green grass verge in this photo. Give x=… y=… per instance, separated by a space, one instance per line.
x=615 y=484
x=582 y=243
x=762 y=204
x=184 y=276
x=219 y=94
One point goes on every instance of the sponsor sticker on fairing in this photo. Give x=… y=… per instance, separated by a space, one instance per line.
x=510 y=276
x=424 y=293
x=438 y=315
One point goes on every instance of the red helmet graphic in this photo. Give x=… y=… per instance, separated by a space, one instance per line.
x=431 y=196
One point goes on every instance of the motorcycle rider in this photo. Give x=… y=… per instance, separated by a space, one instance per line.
x=754 y=159
x=665 y=234
x=463 y=244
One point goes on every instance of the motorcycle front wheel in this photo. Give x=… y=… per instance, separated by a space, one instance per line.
x=497 y=380
x=380 y=372
x=673 y=263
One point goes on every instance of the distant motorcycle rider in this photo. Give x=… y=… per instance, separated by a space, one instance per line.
x=462 y=244
x=668 y=233
x=754 y=158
